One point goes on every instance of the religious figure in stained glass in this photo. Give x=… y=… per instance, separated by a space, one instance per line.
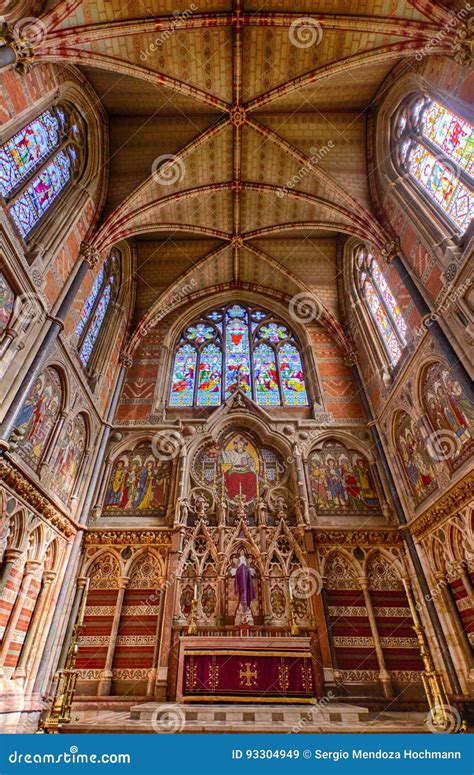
x=381 y=304
x=36 y=165
x=38 y=415
x=436 y=147
x=233 y=348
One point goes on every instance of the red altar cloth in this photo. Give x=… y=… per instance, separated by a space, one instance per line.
x=255 y=675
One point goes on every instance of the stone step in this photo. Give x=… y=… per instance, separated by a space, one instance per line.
x=287 y=716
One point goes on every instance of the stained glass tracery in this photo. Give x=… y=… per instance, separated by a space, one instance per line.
x=436 y=147
x=382 y=306
x=237 y=348
x=36 y=164
x=95 y=309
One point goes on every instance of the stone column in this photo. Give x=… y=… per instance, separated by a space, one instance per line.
x=61 y=611
x=453 y=619
x=9 y=559
x=408 y=538
x=88 y=258
x=105 y=682
x=150 y=689
x=384 y=675
x=27 y=653
x=31 y=567
x=168 y=611
x=431 y=324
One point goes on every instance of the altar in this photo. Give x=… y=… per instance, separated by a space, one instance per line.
x=253 y=669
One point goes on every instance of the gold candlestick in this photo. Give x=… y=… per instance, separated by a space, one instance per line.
x=433 y=683
x=192 y=627
x=60 y=711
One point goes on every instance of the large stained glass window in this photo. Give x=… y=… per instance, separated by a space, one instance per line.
x=381 y=304
x=237 y=347
x=36 y=164
x=95 y=309
x=436 y=148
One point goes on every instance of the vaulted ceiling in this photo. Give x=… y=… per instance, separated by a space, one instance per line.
x=238 y=129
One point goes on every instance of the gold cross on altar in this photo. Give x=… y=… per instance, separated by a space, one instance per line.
x=248 y=674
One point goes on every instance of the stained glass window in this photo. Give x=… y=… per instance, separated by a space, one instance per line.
x=436 y=147
x=36 y=164
x=42 y=191
x=95 y=308
x=382 y=306
x=237 y=347
x=25 y=150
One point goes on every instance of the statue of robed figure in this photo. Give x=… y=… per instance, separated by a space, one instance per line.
x=244 y=588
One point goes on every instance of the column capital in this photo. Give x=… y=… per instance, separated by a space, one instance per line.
x=20 y=45
x=462 y=46
x=390 y=250
x=364 y=582
x=351 y=358
x=123 y=582
x=89 y=253
x=125 y=360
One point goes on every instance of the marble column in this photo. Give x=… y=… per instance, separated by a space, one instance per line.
x=105 y=682
x=9 y=559
x=384 y=675
x=28 y=653
x=31 y=568
x=88 y=258
x=408 y=538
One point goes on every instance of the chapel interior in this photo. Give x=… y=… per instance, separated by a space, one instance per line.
x=236 y=328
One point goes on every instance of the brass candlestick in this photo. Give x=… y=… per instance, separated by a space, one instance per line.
x=433 y=683
x=192 y=626
x=294 y=629
x=60 y=711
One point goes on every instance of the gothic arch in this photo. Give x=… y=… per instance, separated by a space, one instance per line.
x=429 y=220
x=340 y=565
x=91 y=567
x=47 y=236
x=385 y=558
